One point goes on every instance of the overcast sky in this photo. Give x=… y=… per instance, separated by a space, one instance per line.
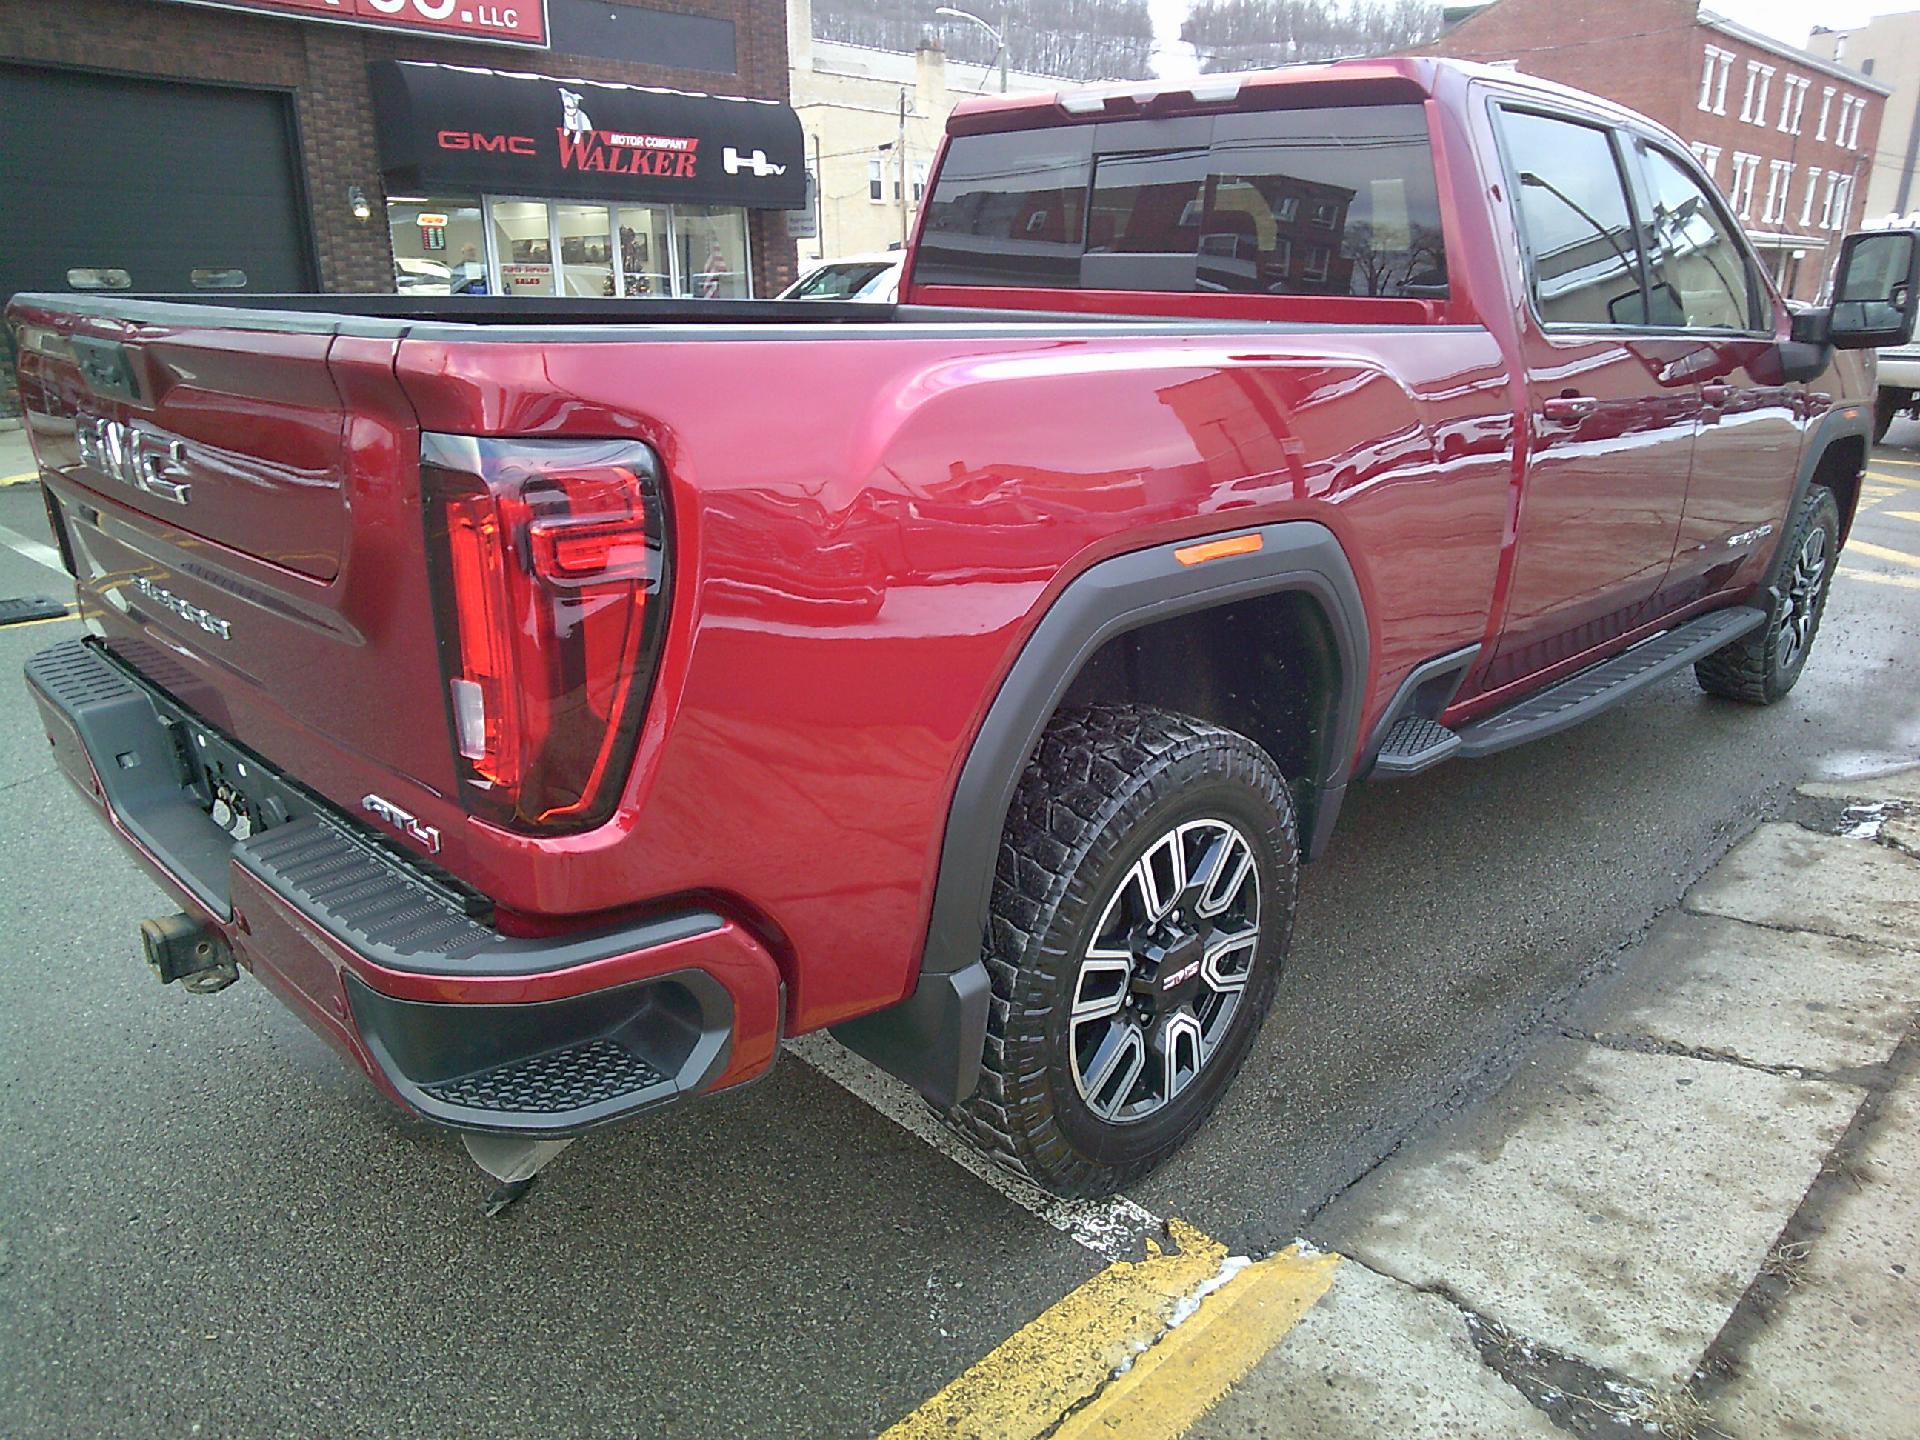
x=1790 y=20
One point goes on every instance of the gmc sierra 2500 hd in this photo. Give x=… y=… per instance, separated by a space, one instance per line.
x=558 y=704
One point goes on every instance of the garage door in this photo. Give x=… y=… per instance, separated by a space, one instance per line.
x=157 y=187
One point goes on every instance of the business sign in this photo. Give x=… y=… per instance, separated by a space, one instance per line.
x=805 y=224
x=448 y=128
x=504 y=22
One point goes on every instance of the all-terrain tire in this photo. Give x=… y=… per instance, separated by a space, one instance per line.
x=1763 y=665
x=1104 y=782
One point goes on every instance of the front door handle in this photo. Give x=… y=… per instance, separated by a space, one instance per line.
x=1569 y=409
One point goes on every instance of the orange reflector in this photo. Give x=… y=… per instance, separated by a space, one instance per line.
x=1217 y=549
x=1851 y=414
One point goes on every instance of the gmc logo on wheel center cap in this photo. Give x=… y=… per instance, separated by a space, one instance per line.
x=1185 y=972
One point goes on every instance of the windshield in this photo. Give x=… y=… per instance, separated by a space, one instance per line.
x=842 y=281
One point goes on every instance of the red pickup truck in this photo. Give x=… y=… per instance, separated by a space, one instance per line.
x=559 y=704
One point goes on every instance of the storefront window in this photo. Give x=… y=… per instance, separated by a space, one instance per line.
x=586 y=249
x=439 y=246
x=523 y=246
x=688 y=252
x=646 y=250
x=712 y=243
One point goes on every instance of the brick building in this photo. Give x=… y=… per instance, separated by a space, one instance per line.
x=570 y=147
x=1886 y=47
x=1786 y=135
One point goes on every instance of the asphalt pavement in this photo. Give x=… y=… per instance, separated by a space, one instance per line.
x=209 y=1227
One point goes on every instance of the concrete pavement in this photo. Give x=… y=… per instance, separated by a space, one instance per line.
x=1695 y=1207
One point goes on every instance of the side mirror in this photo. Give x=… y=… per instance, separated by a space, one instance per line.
x=1876 y=287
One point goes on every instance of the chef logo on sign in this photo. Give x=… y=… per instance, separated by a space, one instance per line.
x=573 y=119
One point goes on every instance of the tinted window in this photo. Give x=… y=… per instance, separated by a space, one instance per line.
x=1324 y=202
x=1700 y=276
x=1337 y=201
x=1009 y=210
x=1585 y=260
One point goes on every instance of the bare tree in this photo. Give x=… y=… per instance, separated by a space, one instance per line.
x=1255 y=34
x=1074 y=39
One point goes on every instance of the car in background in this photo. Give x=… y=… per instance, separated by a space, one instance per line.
x=874 y=277
x=412 y=276
x=1898 y=387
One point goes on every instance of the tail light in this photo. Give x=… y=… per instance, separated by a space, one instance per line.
x=549 y=574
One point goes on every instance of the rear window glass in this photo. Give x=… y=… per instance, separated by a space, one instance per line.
x=1338 y=201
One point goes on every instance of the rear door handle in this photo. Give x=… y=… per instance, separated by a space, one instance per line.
x=1569 y=409
x=1716 y=394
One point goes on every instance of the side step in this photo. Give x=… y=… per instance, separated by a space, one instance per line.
x=1414 y=744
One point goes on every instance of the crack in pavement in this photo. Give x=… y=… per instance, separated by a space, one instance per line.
x=1633 y=1044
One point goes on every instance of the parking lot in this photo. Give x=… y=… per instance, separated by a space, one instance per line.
x=209 y=1227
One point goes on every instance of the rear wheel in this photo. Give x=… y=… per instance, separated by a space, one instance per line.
x=1761 y=667
x=1141 y=910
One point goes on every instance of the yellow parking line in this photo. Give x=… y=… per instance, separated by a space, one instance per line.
x=1901 y=480
x=1181 y=1378
x=1881 y=552
x=1902 y=514
x=1889 y=460
x=43 y=620
x=1066 y=1358
x=1905 y=582
x=24 y=479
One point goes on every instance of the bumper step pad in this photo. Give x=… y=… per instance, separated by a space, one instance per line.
x=560 y=1080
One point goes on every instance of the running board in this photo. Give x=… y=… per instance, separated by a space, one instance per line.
x=1415 y=744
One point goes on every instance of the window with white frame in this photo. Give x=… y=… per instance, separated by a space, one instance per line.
x=1746 y=168
x=1813 y=185
x=1793 y=101
x=1826 y=206
x=1709 y=158
x=1842 y=202
x=1779 y=191
x=876 y=180
x=1826 y=109
x=919 y=180
x=1753 y=105
x=1852 y=139
x=1713 y=79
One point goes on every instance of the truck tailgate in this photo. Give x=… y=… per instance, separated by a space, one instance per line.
x=242 y=508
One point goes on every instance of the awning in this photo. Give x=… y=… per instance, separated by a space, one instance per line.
x=457 y=127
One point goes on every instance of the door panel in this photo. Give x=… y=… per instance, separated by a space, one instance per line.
x=1753 y=423
x=1612 y=408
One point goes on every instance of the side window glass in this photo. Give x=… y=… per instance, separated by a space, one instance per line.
x=1572 y=206
x=1700 y=278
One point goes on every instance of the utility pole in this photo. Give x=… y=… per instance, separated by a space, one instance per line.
x=1003 y=47
x=900 y=146
x=819 y=201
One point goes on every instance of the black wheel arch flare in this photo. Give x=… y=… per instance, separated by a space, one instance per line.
x=933 y=1038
